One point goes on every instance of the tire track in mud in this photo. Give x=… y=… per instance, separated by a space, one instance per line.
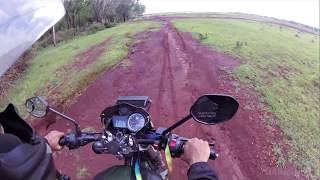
x=174 y=69
x=186 y=57
x=167 y=88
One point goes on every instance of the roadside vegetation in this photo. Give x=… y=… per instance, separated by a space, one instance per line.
x=53 y=72
x=82 y=173
x=283 y=65
x=84 y=17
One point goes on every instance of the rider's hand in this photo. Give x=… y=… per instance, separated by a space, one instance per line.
x=53 y=138
x=196 y=150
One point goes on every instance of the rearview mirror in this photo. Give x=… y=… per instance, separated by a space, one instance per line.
x=213 y=109
x=37 y=106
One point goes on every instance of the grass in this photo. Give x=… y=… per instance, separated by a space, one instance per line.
x=89 y=129
x=49 y=71
x=283 y=65
x=82 y=173
x=281 y=162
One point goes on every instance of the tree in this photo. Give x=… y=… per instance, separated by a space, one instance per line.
x=138 y=9
x=124 y=8
x=104 y=10
x=75 y=11
x=80 y=13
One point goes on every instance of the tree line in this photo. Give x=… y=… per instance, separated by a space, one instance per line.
x=89 y=16
x=80 y=13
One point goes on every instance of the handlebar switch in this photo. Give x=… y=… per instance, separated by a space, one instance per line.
x=176 y=147
x=173 y=143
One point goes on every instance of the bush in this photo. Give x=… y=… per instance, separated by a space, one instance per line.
x=69 y=34
x=239 y=44
x=47 y=39
x=203 y=36
x=109 y=24
x=94 y=28
x=65 y=35
x=199 y=36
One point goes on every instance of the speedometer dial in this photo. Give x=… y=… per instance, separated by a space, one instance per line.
x=136 y=122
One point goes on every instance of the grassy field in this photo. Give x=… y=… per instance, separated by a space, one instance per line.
x=283 y=65
x=50 y=73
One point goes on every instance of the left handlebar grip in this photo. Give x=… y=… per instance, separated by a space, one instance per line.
x=62 y=141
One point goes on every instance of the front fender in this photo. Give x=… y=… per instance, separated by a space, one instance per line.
x=123 y=172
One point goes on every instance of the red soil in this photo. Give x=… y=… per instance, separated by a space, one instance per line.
x=174 y=70
x=91 y=55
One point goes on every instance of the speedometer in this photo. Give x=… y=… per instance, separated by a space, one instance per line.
x=136 y=122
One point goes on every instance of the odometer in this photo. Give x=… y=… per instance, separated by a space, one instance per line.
x=119 y=121
x=136 y=122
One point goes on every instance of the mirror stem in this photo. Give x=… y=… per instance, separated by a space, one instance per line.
x=78 y=130
x=183 y=120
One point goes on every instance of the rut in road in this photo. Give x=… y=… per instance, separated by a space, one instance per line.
x=188 y=75
x=174 y=70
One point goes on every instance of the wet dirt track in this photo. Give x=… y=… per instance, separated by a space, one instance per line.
x=174 y=69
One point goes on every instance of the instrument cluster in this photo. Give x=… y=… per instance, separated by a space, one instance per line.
x=125 y=116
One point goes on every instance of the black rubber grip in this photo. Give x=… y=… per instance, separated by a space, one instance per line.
x=62 y=141
x=213 y=155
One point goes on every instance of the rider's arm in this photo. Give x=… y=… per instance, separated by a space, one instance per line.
x=10 y=141
x=196 y=153
x=201 y=170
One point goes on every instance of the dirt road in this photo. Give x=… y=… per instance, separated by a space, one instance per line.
x=174 y=69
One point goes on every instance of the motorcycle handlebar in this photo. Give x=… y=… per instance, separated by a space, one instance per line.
x=147 y=141
x=62 y=141
x=177 y=143
x=74 y=141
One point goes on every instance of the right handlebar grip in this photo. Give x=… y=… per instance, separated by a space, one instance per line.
x=213 y=155
x=62 y=141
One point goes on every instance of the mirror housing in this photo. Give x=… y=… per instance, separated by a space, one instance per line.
x=213 y=108
x=209 y=109
x=37 y=106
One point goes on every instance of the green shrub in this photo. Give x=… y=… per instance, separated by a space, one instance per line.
x=94 y=27
x=203 y=36
x=109 y=24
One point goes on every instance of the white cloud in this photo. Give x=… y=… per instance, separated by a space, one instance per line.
x=3 y=16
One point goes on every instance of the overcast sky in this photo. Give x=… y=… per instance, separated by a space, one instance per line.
x=302 y=11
